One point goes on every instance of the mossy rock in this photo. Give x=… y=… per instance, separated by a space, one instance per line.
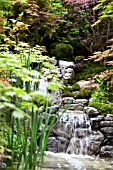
x=75 y=87
x=84 y=94
x=103 y=108
x=89 y=69
x=78 y=58
x=68 y=94
x=64 y=52
x=70 y=82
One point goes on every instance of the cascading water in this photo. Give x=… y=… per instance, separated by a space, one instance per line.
x=74 y=127
x=78 y=125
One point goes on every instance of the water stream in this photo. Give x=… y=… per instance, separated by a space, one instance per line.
x=77 y=125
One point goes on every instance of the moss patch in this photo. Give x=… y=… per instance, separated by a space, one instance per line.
x=103 y=108
x=61 y=51
x=74 y=87
x=83 y=94
x=88 y=70
x=68 y=94
x=70 y=82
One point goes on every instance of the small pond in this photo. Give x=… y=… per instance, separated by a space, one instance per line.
x=62 y=161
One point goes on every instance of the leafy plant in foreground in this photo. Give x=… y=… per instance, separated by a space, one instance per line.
x=20 y=106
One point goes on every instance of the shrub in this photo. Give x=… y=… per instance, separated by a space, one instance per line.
x=64 y=51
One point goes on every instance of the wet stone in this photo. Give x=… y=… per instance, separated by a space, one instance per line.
x=107 y=130
x=106 y=123
x=80 y=133
x=106 y=151
x=91 y=111
x=108 y=141
x=76 y=107
x=68 y=99
x=109 y=117
x=66 y=64
x=53 y=144
x=97 y=136
x=2 y=165
x=94 y=148
x=62 y=139
x=83 y=101
x=63 y=134
x=95 y=123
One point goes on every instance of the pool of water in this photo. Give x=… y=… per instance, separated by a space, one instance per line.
x=62 y=161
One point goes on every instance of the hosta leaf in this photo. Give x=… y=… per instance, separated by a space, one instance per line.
x=54 y=86
x=25 y=97
x=5 y=98
x=18 y=114
x=10 y=93
x=12 y=106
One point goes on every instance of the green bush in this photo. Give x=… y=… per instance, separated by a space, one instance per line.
x=103 y=108
x=64 y=51
x=84 y=94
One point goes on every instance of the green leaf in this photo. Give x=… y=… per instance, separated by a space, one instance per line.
x=18 y=114
x=12 y=106
x=54 y=86
x=25 y=97
x=10 y=93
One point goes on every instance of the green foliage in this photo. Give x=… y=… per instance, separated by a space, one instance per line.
x=57 y=8
x=70 y=82
x=23 y=110
x=78 y=58
x=6 y=7
x=83 y=94
x=101 y=94
x=102 y=107
x=105 y=12
x=68 y=94
x=63 y=51
x=75 y=87
x=85 y=73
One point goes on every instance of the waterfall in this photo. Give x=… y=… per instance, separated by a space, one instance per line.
x=78 y=125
